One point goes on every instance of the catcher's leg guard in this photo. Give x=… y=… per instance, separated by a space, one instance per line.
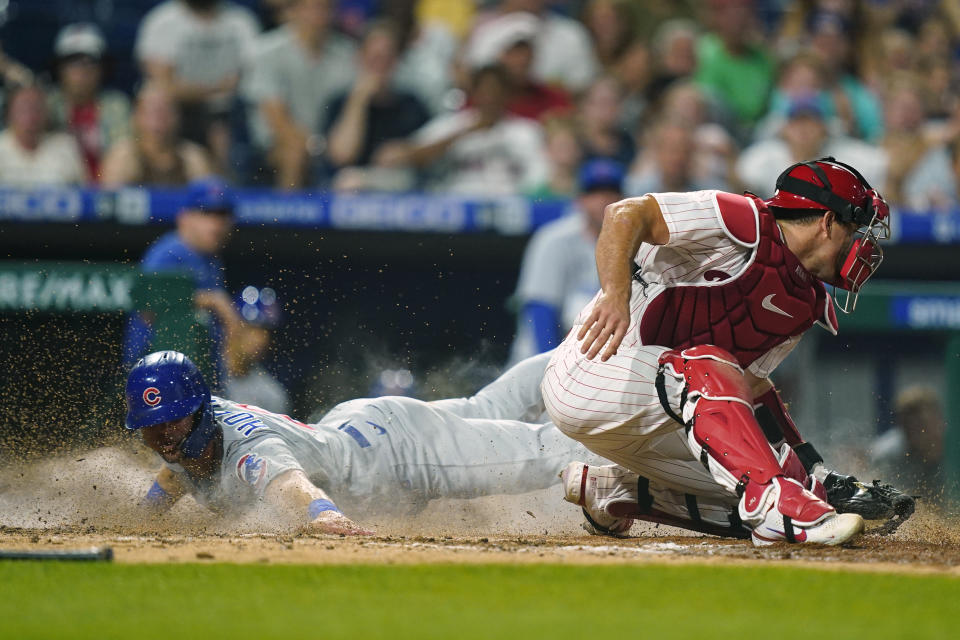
x=793 y=468
x=717 y=410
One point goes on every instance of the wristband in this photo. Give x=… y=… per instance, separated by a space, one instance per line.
x=156 y=496
x=319 y=506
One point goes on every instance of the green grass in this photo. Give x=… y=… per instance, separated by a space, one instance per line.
x=61 y=600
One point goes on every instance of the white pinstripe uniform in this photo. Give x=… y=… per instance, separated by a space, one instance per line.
x=613 y=407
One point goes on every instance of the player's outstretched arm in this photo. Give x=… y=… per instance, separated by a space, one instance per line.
x=293 y=493
x=166 y=489
x=626 y=225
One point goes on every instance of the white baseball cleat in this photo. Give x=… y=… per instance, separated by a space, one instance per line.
x=786 y=512
x=834 y=529
x=582 y=485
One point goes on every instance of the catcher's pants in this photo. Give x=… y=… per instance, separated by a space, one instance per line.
x=459 y=448
x=614 y=409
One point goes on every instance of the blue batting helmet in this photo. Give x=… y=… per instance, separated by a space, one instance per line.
x=165 y=386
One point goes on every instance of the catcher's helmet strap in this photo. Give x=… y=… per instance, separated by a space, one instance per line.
x=847 y=211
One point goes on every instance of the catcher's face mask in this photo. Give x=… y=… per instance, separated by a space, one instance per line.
x=829 y=185
x=865 y=253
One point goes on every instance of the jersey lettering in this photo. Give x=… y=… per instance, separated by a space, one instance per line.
x=352 y=431
x=276 y=415
x=243 y=422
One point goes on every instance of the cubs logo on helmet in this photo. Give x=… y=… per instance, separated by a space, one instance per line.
x=151 y=396
x=251 y=469
x=165 y=386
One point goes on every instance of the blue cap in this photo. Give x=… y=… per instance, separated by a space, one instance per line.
x=808 y=105
x=211 y=194
x=259 y=307
x=601 y=173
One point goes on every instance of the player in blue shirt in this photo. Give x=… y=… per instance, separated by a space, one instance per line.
x=203 y=225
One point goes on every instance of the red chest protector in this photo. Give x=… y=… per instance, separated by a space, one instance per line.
x=748 y=314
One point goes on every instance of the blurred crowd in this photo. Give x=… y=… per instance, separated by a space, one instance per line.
x=497 y=96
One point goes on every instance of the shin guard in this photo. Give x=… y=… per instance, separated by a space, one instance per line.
x=717 y=408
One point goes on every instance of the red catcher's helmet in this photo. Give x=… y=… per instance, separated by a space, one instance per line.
x=826 y=184
x=829 y=185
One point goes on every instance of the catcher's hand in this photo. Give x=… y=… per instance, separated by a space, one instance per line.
x=877 y=501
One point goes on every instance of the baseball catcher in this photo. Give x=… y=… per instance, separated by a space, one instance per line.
x=703 y=295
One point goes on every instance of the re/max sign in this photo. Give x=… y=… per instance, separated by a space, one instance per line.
x=24 y=290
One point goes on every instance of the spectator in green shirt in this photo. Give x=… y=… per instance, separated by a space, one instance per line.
x=733 y=67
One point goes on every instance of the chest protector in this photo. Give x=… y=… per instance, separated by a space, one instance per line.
x=773 y=299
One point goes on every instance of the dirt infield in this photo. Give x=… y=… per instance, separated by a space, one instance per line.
x=90 y=500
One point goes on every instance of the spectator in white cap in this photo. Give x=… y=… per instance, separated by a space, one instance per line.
x=562 y=50
x=30 y=155
x=96 y=117
x=508 y=40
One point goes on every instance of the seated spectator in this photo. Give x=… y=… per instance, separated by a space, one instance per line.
x=675 y=54
x=896 y=53
x=373 y=112
x=715 y=151
x=832 y=42
x=480 y=150
x=248 y=347
x=155 y=155
x=565 y=157
x=612 y=28
x=920 y=173
x=508 y=40
x=668 y=162
x=939 y=92
x=298 y=70
x=634 y=72
x=800 y=77
x=911 y=453
x=601 y=135
x=427 y=50
x=562 y=53
x=197 y=50
x=803 y=137
x=733 y=65
x=96 y=117
x=558 y=275
x=30 y=156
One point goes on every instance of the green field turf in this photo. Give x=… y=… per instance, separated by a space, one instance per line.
x=61 y=600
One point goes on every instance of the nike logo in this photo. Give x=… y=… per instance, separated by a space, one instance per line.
x=769 y=306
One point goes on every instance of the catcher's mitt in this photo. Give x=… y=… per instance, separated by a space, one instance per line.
x=877 y=501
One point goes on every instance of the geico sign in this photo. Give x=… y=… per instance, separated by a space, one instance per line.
x=53 y=205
